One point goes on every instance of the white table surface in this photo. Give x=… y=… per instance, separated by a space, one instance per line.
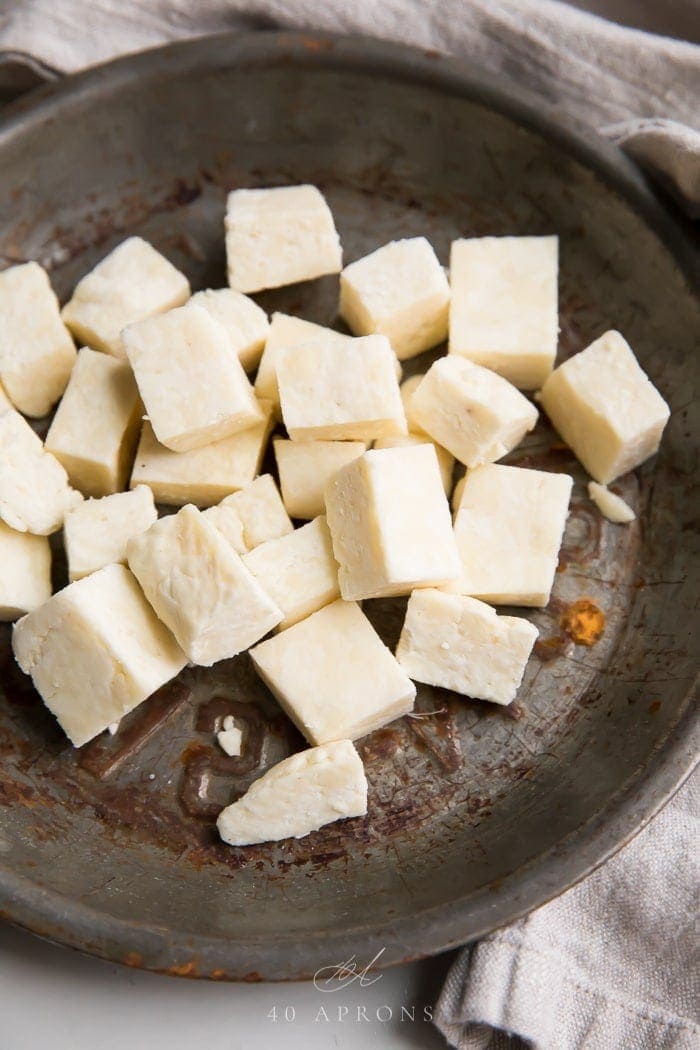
x=55 y=999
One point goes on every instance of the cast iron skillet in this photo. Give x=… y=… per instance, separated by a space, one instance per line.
x=475 y=817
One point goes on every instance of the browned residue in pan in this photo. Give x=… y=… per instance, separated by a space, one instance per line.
x=583 y=621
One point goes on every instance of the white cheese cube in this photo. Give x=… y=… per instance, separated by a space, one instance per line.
x=391 y=523
x=446 y=462
x=200 y=588
x=203 y=476
x=605 y=407
x=95 y=651
x=509 y=528
x=475 y=414
x=36 y=349
x=611 y=506
x=306 y=467
x=252 y=516
x=130 y=284
x=407 y=390
x=298 y=571
x=96 y=532
x=297 y=796
x=279 y=236
x=286 y=331
x=333 y=675
x=400 y=291
x=96 y=426
x=245 y=322
x=460 y=643
x=340 y=392
x=25 y=572
x=230 y=737
x=504 y=311
x=194 y=389
x=260 y=508
x=34 y=491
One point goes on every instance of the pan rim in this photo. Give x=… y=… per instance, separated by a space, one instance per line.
x=73 y=924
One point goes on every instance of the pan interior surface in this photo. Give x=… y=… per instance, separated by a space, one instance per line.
x=475 y=815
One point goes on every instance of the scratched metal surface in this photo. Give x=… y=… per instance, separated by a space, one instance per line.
x=476 y=813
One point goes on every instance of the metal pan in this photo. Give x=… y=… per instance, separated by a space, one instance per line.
x=476 y=816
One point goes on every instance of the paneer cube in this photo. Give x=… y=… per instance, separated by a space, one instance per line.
x=509 y=528
x=245 y=322
x=446 y=461
x=475 y=414
x=298 y=571
x=194 y=389
x=96 y=426
x=25 y=575
x=279 y=236
x=333 y=675
x=391 y=523
x=200 y=588
x=96 y=650
x=504 y=311
x=203 y=476
x=259 y=509
x=460 y=643
x=96 y=532
x=297 y=796
x=340 y=392
x=606 y=408
x=306 y=467
x=286 y=331
x=400 y=291
x=35 y=494
x=36 y=349
x=130 y=284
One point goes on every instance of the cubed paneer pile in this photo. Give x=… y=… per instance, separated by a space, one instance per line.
x=187 y=541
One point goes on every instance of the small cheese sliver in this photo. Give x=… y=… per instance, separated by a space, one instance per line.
x=194 y=389
x=333 y=675
x=279 y=236
x=475 y=414
x=199 y=587
x=460 y=643
x=230 y=737
x=130 y=284
x=306 y=467
x=36 y=349
x=96 y=533
x=400 y=291
x=407 y=390
x=509 y=527
x=96 y=650
x=297 y=796
x=35 y=495
x=341 y=392
x=245 y=322
x=610 y=505
x=96 y=426
x=203 y=476
x=298 y=571
x=606 y=408
x=25 y=579
x=503 y=312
